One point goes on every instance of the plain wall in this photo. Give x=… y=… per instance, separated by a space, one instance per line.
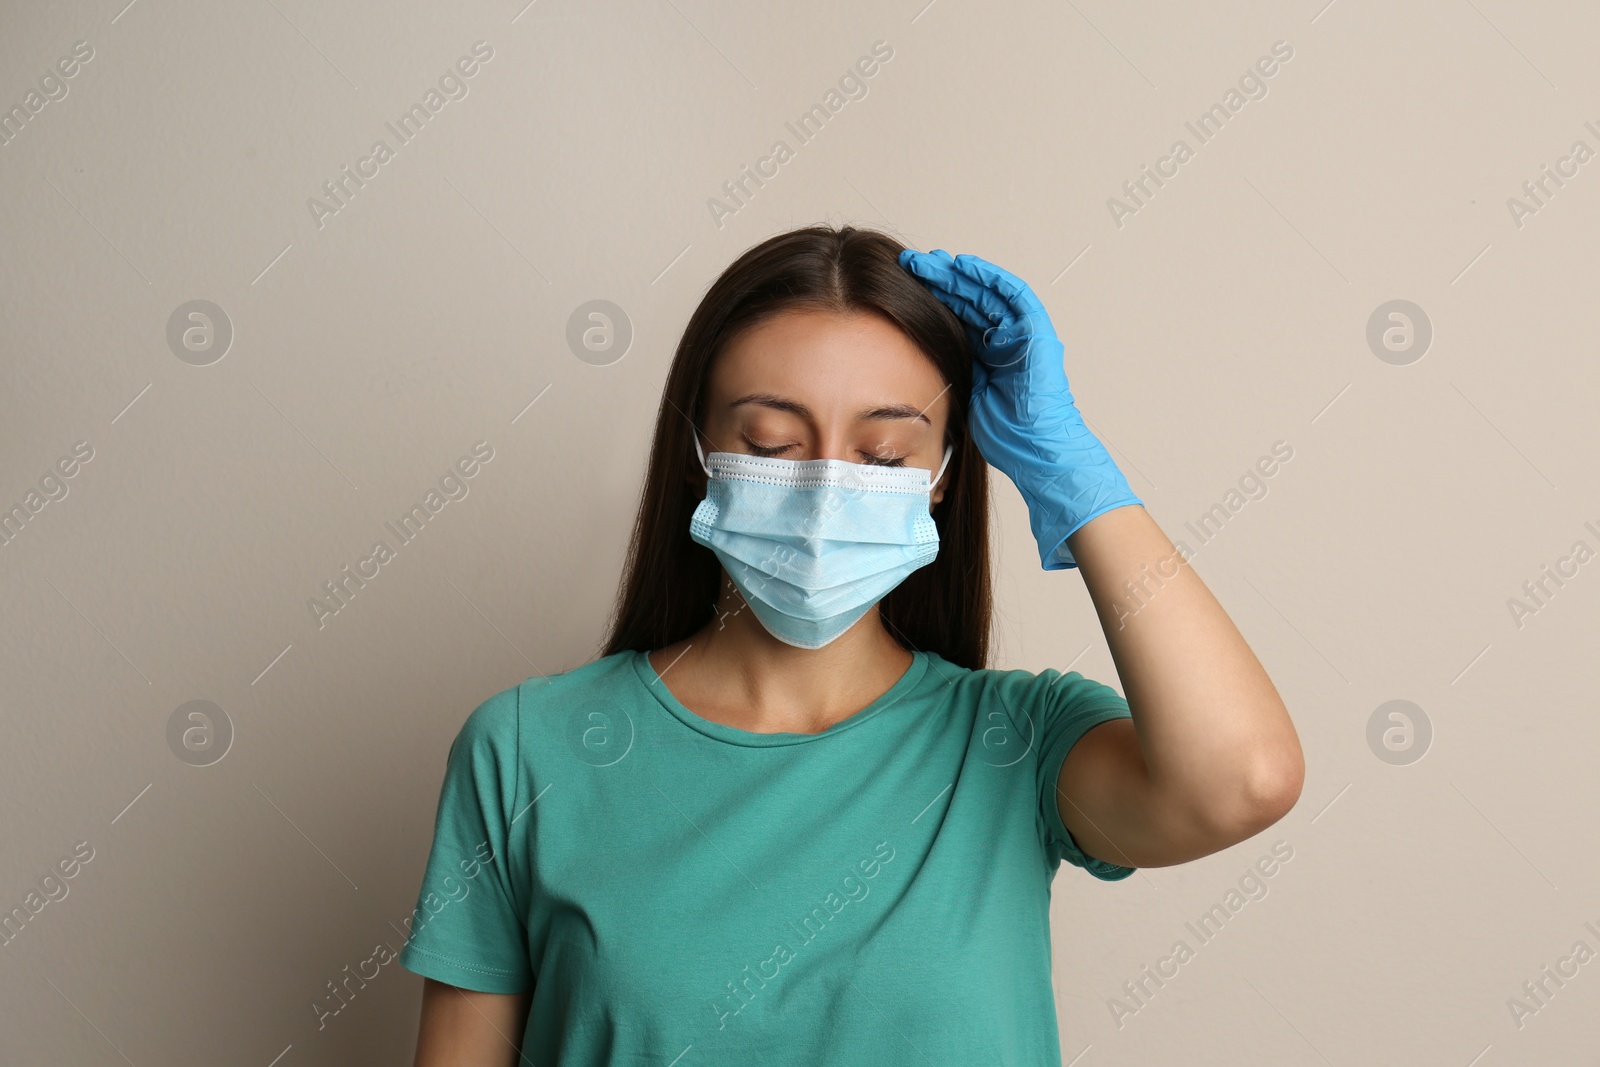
x=1220 y=313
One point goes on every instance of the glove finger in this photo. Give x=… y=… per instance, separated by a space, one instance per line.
x=940 y=279
x=1020 y=299
x=993 y=347
x=969 y=315
x=1027 y=321
x=1006 y=340
x=985 y=308
x=977 y=327
x=996 y=308
x=1011 y=287
x=992 y=329
x=908 y=256
x=928 y=267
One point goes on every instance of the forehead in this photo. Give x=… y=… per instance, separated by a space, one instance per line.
x=835 y=364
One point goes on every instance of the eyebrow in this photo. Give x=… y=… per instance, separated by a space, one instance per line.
x=881 y=413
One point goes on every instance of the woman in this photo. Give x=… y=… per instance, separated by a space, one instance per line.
x=790 y=815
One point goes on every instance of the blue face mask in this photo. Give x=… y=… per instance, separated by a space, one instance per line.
x=813 y=544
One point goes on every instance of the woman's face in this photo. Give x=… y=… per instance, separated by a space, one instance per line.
x=823 y=385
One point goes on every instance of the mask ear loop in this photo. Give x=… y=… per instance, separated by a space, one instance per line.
x=701 y=453
x=948 y=450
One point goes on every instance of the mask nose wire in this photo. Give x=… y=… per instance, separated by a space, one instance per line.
x=948 y=451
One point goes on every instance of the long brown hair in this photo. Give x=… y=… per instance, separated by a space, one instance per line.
x=669 y=584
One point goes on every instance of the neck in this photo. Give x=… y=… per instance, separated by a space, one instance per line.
x=734 y=663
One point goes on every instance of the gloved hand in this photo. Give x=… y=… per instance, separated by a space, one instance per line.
x=1023 y=417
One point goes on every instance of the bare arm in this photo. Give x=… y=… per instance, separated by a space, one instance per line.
x=464 y=1028
x=1210 y=757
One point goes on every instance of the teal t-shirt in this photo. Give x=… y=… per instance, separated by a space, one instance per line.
x=680 y=892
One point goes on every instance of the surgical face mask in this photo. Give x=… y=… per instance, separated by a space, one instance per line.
x=813 y=544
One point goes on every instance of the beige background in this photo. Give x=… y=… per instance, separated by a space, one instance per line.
x=369 y=354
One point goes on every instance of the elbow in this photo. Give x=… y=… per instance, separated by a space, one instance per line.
x=1267 y=789
x=1272 y=787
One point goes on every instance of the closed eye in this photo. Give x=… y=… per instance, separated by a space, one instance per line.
x=866 y=457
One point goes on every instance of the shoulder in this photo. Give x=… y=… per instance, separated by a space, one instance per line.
x=1030 y=697
x=502 y=721
x=1053 y=688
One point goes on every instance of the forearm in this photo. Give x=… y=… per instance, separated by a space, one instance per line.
x=1213 y=730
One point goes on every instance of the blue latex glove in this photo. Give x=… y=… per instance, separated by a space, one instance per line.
x=1023 y=417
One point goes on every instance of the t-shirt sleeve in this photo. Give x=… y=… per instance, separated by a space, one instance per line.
x=469 y=928
x=1063 y=708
